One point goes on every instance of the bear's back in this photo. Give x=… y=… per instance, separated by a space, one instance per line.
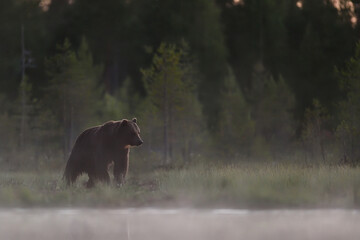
x=87 y=136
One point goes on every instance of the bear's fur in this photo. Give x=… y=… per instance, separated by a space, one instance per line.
x=97 y=147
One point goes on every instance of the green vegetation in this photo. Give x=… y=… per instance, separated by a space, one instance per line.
x=237 y=186
x=243 y=83
x=220 y=79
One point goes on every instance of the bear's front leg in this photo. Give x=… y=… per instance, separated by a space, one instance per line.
x=121 y=166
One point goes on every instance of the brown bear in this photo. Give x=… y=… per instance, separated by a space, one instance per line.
x=97 y=147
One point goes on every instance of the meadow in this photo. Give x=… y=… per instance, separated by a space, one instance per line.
x=243 y=185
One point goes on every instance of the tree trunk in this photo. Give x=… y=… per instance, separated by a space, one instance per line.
x=321 y=141
x=71 y=134
x=165 y=120
x=65 y=145
x=23 y=91
x=171 y=133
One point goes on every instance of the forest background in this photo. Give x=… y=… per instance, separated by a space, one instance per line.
x=209 y=81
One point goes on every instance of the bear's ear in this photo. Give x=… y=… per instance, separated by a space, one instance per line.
x=134 y=120
x=124 y=123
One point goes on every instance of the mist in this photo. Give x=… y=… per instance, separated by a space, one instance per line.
x=248 y=107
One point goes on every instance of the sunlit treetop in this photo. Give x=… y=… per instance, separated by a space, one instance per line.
x=338 y=4
x=238 y=2
x=44 y=4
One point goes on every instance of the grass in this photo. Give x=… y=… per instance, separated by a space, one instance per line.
x=262 y=186
x=237 y=186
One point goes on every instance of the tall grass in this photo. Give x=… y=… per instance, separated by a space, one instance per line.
x=49 y=190
x=236 y=186
x=264 y=186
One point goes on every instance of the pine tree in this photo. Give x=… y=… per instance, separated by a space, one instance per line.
x=272 y=104
x=74 y=90
x=348 y=131
x=170 y=91
x=313 y=131
x=236 y=128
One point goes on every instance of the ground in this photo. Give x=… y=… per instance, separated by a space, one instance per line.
x=254 y=186
x=242 y=201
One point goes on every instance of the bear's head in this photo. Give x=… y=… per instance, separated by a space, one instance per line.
x=131 y=132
